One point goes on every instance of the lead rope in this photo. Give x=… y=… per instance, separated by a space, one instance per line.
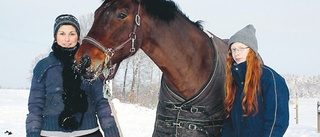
x=109 y=52
x=107 y=93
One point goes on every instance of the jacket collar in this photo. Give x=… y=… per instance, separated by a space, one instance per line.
x=239 y=72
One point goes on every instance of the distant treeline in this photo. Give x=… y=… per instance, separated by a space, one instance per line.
x=303 y=86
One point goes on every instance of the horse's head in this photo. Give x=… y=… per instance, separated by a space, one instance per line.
x=111 y=38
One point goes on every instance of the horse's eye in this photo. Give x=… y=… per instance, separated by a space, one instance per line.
x=121 y=16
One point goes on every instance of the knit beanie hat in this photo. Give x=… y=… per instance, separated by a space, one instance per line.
x=66 y=19
x=246 y=36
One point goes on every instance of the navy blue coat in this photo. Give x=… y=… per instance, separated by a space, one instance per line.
x=272 y=118
x=45 y=101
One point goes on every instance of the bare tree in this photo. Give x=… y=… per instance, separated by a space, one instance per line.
x=85 y=22
x=133 y=90
x=34 y=63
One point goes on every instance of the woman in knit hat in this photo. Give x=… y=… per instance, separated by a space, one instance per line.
x=256 y=96
x=60 y=104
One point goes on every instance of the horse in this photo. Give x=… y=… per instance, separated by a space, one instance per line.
x=192 y=61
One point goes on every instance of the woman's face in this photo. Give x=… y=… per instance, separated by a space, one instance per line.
x=239 y=52
x=67 y=36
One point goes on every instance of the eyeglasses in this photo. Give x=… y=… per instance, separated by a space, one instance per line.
x=240 y=49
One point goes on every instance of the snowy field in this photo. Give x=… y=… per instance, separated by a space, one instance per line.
x=138 y=121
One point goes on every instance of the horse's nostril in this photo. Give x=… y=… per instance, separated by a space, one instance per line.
x=84 y=63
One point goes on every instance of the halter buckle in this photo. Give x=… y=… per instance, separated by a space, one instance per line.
x=137 y=20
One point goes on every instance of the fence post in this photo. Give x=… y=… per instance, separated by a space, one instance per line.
x=318 y=111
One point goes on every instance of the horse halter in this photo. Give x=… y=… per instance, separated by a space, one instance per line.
x=109 y=52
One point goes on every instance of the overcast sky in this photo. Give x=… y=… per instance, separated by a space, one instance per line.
x=287 y=31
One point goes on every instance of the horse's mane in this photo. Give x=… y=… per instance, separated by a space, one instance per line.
x=164 y=10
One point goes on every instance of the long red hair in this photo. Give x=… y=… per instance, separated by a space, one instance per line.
x=251 y=85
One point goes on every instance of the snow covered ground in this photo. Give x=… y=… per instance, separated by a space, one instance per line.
x=136 y=121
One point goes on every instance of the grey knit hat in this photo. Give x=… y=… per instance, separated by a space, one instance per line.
x=66 y=19
x=246 y=36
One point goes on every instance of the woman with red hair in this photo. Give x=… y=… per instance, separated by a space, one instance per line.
x=256 y=96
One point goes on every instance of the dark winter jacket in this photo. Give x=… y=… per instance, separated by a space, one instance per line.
x=45 y=101
x=272 y=118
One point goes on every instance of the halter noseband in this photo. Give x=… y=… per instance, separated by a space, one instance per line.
x=109 y=52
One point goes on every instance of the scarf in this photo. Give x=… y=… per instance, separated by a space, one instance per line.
x=74 y=99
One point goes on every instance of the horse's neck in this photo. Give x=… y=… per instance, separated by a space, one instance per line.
x=183 y=53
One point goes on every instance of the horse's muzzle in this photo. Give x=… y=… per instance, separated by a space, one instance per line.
x=83 y=67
